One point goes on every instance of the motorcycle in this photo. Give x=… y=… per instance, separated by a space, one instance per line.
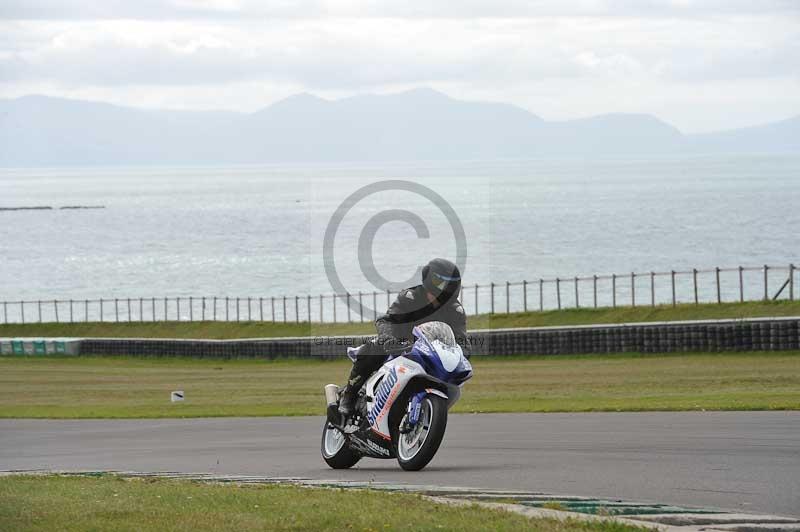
x=401 y=410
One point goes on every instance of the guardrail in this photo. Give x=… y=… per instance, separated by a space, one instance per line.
x=615 y=290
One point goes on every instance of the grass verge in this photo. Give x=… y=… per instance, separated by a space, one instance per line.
x=111 y=503
x=85 y=387
x=224 y=330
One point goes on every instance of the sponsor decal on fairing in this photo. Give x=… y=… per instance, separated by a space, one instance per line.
x=382 y=396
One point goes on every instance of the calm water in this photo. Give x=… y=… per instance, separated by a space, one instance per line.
x=258 y=231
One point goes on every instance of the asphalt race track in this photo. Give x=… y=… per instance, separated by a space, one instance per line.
x=745 y=461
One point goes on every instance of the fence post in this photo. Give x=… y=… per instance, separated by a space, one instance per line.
x=719 y=293
x=22 y=311
x=214 y=310
x=577 y=301
x=227 y=308
x=116 y=309
x=85 y=310
x=166 y=309
x=272 y=307
x=129 y=310
x=360 y=308
x=101 y=309
x=525 y=296
x=347 y=304
x=541 y=294
x=333 y=299
x=741 y=285
x=491 y=311
x=55 y=307
x=652 y=289
x=633 y=289
x=191 y=308
x=766 y=283
x=672 y=283
x=284 y=309
x=614 y=290
x=321 y=314
x=594 y=291
x=39 y=307
x=508 y=297
x=153 y=308
x=308 y=307
x=70 y=311
x=694 y=281
x=141 y=310
x=296 y=309
x=374 y=305
x=237 y=309
x=791 y=282
x=203 y=309
x=558 y=292
x=249 y=309
x=476 y=299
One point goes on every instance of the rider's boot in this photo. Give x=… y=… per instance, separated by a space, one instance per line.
x=347 y=403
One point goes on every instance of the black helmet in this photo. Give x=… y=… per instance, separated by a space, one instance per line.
x=441 y=276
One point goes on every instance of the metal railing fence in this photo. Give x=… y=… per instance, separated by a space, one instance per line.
x=716 y=285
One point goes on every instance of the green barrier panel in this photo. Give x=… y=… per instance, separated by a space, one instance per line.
x=41 y=346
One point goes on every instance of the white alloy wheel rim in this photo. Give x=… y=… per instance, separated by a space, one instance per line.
x=334 y=441
x=410 y=443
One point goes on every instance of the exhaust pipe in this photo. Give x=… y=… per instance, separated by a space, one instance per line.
x=331 y=394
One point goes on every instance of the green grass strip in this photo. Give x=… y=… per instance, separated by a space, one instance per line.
x=69 y=503
x=97 y=387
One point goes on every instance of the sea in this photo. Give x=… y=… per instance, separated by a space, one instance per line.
x=306 y=230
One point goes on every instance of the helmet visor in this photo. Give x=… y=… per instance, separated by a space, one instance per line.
x=441 y=282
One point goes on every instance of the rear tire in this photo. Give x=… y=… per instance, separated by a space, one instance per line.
x=417 y=448
x=335 y=450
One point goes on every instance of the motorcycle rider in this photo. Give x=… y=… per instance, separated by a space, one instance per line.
x=436 y=299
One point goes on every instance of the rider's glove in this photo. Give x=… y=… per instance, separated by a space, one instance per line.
x=391 y=344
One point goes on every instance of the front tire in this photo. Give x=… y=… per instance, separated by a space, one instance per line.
x=335 y=450
x=416 y=448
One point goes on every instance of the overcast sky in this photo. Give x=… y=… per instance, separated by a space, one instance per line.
x=700 y=65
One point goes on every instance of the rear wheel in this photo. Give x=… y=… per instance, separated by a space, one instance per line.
x=418 y=446
x=335 y=451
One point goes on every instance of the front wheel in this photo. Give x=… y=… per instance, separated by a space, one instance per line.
x=335 y=451
x=416 y=448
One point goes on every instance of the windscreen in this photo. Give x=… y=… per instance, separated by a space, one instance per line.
x=437 y=330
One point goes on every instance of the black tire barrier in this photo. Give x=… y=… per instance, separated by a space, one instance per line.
x=757 y=334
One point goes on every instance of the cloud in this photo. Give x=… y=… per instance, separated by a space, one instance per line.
x=305 y=9
x=588 y=56
x=357 y=53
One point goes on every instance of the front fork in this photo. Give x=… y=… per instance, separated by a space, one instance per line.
x=411 y=418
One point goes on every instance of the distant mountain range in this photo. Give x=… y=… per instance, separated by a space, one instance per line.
x=420 y=124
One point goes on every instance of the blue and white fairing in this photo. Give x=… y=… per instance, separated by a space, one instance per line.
x=436 y=350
